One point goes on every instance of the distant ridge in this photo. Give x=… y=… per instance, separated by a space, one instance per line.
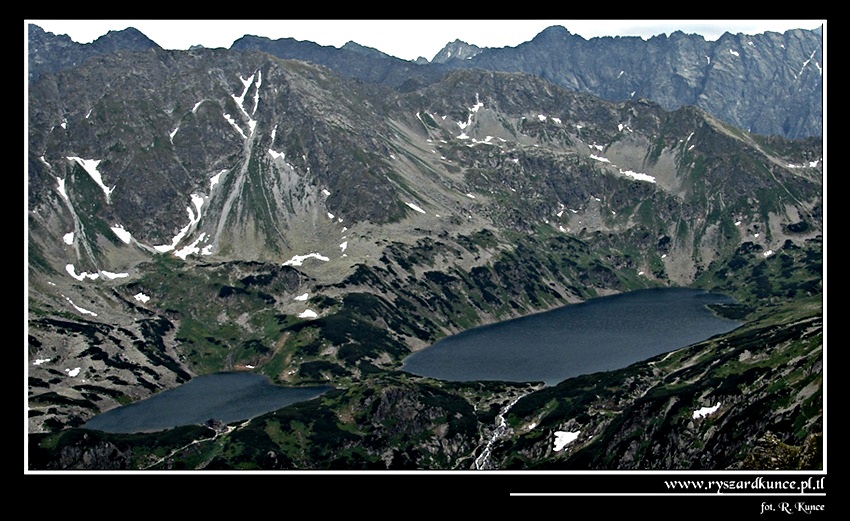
x=769 y=83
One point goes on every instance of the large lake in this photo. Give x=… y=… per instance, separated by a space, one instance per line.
x=227 y=397
x=600 y=334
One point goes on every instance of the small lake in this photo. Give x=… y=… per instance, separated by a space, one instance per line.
x=228 y=397
x=601 y=334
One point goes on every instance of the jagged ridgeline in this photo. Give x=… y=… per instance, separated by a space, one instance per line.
x=207 y=210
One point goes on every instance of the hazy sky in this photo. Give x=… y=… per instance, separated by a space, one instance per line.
x=406 y=39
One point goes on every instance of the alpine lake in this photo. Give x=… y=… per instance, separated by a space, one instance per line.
x=600 y=334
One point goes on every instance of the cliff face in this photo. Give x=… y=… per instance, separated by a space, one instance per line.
x=767 y=83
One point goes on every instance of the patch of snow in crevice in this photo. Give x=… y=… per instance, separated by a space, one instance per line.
x=72 y=271
x=61 y=188
x=418 y=209
x=564 y=438
x=198 y=202
x=232 y=122
x=214 y=180
x=705 y=411
x=90 y=166
x=81 y=310
x=191 y=248
x=298 y=260
x=638 y=177
x=122 y=234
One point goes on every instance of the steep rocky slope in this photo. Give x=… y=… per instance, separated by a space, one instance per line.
x=767 y=83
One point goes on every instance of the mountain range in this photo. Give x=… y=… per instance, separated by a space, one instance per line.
x=769 y=83
x=316 y=215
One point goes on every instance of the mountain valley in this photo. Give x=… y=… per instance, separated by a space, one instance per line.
x=191 y=212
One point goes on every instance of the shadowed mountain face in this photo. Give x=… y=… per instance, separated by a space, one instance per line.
x=213 y=209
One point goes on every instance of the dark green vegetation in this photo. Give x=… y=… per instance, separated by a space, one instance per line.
x=766 y=376
x=656 y=429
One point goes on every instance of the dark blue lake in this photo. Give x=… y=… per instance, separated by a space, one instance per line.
x=600 y=334
x=227 y=397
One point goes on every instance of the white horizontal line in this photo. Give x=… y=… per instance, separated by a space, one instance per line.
x=732 y=494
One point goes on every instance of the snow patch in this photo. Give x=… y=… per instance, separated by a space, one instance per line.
x=81 y=310
x=61 y=187
x=564 y=438
x=638 y=177
x=705 y=411
x=298 y=260
x=90 y=166
x=215 y=179
x=72 y=271
x=418 y=209
x=122 y=234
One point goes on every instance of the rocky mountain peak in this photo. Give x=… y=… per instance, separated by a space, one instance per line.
x=553 y=33
x=456 y=50
x=129 y=39
x=49 y=53
x=369 y=51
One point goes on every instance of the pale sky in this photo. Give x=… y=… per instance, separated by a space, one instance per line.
x=405 y=39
